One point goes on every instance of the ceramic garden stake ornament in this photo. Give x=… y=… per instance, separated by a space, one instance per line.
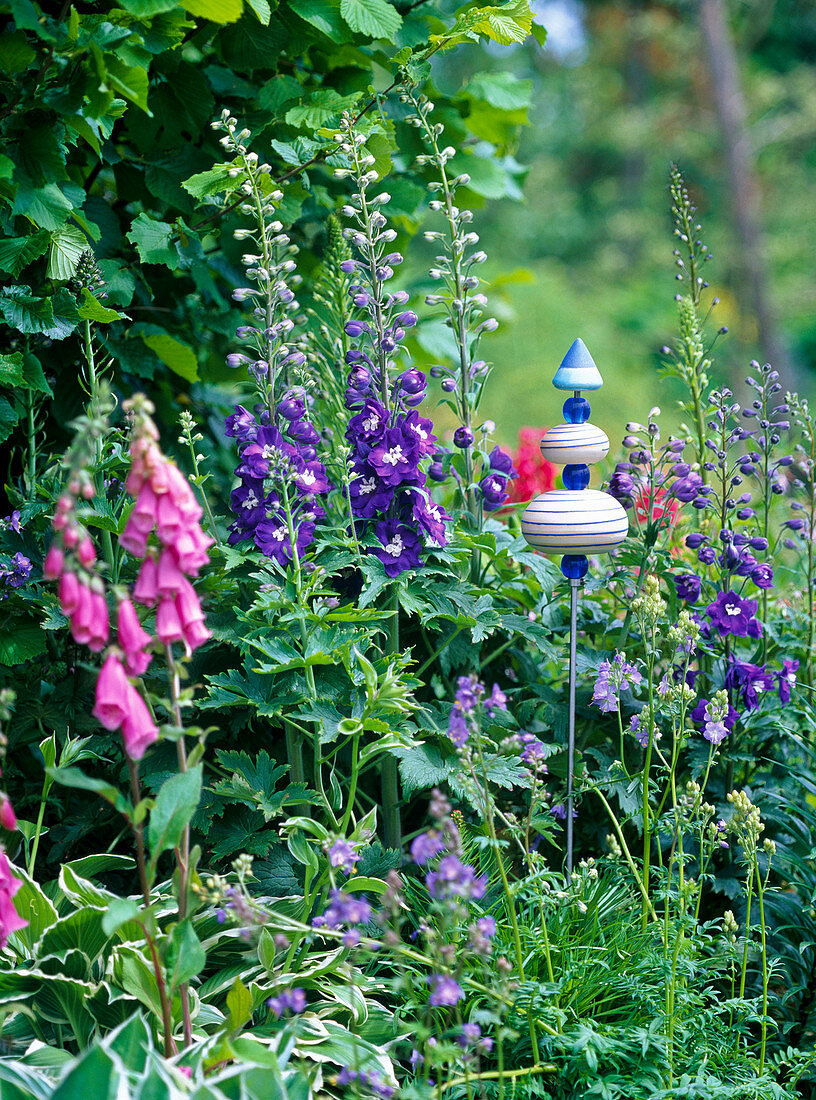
x=576 y=520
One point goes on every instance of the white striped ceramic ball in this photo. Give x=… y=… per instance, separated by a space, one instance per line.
x=574 y=521
x=567 y=444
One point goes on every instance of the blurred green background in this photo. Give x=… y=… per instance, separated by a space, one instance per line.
x=727 y=90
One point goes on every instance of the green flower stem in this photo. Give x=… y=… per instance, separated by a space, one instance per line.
x=170 y=1047
x=749 y=889
x=761 y=884
x=436 y=653
x=647 y=833
x=501 y=1074
x=46 y=787
x=647 y=901
x=508 y=893
x=392 y=826
x=183 y=851
x=31 y=442
x=355 y=771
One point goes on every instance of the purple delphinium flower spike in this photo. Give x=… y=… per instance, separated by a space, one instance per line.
x=729 y=614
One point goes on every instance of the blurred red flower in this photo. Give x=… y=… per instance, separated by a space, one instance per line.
x=535 y=474
x=666 y=513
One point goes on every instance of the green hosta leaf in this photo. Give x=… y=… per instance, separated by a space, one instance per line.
x=83 y=930
x=96 y=1075
x=17 y=253
x=373 y=18
x=179 y=357
x=67 y=245
x=93 y=310
x=134 y=974
x=155 y=241
x=175 y=805
x=36 y=907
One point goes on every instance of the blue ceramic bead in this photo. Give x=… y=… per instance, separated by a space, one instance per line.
x=575 y=476
x=576 y=410
x=574 y=566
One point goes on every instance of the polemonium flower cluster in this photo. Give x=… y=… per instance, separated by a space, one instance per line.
x=17 y=571
x=468 y=705
x=276 y=504
x=290 y=1002
x=717 y=717
x=614 y=676
x=365 y=1079
x=389 y=439
x=343 y=855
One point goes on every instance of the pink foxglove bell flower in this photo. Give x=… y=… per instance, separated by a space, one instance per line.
x=111 y=691
x=168 y=623
x=99 y=625
x=54 y=563
x=145 y=590
x=169 y=578
x=68 y=593
x=86 y=552
x=10 y=919
x=192 y=617
x=138 y=728
x=133 y=639
x=8 y=818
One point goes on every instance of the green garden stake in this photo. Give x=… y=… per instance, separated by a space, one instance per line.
x=576 y=520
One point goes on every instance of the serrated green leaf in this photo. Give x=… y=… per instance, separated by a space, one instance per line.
x=501 y=90
x=324 y=15
x=155 y=241
x=322 y=106
x=67 y=245
x=179 y=357
x=130 y=81
x=92 y=309
x=25 y=311
x=16 y=53
x=16 y=253
x=424 y=766
x=213 y=182
x=21 y=643
x=262 y=10
x=219 y=11
x=11 y=369
x=46 y=206
x=373 y=18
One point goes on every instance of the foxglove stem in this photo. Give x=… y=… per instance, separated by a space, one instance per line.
x=187 y=425
x=761 y=884
x=182 y=853
x=138 y=833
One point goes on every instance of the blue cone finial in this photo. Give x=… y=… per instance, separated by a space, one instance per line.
x=578 y=370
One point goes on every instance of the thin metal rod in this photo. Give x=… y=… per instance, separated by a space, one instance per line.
x=575 y=584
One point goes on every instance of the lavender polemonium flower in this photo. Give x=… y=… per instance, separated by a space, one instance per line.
x=390 y=441
x=290 y=1001
x=614 y=677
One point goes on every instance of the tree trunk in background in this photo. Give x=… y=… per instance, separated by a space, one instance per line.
x=742 y=188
